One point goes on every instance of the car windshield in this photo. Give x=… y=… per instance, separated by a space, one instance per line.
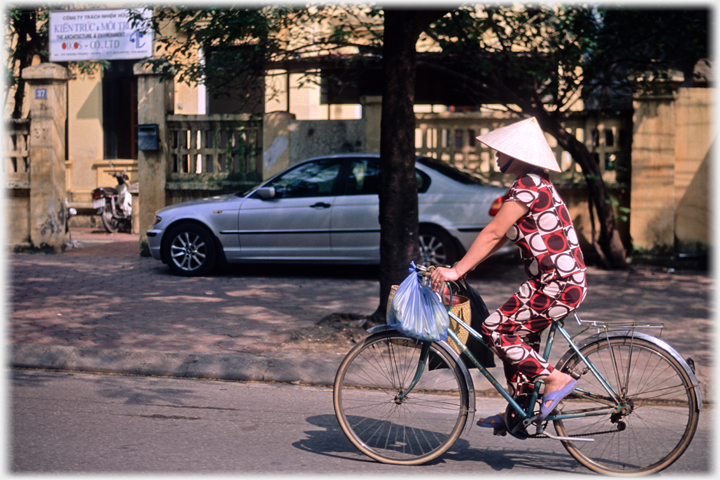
x=450 y=171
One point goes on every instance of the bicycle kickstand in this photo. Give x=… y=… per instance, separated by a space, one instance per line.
x=542 y=431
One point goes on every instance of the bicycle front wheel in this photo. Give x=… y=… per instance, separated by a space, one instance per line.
x=402 y=431
x=652 y=423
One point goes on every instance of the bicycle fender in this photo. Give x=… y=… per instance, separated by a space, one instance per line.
x=649 y=338
x=466 y=373
x=379 y=328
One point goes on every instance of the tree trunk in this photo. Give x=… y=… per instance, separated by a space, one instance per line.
x=608 y=245
x=398 y=187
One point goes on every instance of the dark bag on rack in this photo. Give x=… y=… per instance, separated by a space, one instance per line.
x=479 y=313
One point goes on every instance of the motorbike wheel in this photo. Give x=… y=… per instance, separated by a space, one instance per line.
x=190 y=250
x=110 y=223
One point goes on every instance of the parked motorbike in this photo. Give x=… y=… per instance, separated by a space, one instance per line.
x=114 y=205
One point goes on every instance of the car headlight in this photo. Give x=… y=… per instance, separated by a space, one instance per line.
x=157 y=219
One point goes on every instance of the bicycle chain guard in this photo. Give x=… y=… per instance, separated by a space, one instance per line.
x=512 y=419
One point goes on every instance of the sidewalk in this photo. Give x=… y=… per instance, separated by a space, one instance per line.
x=101 y=307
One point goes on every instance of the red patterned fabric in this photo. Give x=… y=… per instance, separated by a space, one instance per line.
x=557 y=286
x=513 y=331
x=545 y=235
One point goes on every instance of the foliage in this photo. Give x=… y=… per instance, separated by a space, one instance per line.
x=229 y=48
x=553 y=56
x=537 y=59
x=541 y=60
x=638 y=48
x=536 y=56
x=26 y=37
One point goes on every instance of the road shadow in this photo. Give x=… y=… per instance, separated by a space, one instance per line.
x=31 y=378
x=152 y=392
x=332 y=442
x=298 y=270
x=493 y=267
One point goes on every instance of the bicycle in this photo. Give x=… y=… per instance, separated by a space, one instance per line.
x=404 y=401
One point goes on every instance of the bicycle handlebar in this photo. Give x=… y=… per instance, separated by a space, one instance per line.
x=424 y=271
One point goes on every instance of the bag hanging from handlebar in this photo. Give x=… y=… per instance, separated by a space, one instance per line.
x=417 y=311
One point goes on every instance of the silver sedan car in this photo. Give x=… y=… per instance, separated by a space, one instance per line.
x=324 y=209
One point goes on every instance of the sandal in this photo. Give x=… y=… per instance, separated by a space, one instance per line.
x=555 y=397
x=496 y=421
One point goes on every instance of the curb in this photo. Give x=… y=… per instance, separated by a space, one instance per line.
x=310 y=369
x=305 y=369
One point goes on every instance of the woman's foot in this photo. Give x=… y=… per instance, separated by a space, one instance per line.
x=556 y=381
x=496 y=421
x=558 y=385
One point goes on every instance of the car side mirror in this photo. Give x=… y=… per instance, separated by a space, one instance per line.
x=266 y=193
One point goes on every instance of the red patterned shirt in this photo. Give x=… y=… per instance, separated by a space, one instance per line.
x=545 y=234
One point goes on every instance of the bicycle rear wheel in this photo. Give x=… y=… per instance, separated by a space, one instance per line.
x=409 y=431
x=655 y=420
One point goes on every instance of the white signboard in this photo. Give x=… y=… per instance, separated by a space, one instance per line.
x=77 y=35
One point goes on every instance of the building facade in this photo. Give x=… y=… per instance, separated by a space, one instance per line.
x=663 y=146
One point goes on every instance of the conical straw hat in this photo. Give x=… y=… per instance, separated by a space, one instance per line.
x=525 y=141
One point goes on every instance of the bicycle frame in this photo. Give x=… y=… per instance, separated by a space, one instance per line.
x=627 y=381
x=613 y=401
x=527 y=416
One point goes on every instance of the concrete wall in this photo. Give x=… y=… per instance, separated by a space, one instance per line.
x=276 y=142
x=672 y=141
x=17 y=201
x=672 y=138
x=85 y=138
x=310 y=138
x=693 y=152
x=287 y=140
x=155 y=101
x=46 y=212
x=653 y=161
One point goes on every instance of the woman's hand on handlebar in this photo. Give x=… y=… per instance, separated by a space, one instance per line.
x=442 y=275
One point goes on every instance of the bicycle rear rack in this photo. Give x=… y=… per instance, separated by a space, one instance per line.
x=605 y=326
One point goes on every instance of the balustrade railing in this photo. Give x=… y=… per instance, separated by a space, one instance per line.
x=16 y=164
x=209 y=150
x=450 y=136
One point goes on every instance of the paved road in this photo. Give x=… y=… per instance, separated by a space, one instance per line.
x=100 y=307
x=74 y=423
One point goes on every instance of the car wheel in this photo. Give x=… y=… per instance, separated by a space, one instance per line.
x=436 y=247
x=190 y=250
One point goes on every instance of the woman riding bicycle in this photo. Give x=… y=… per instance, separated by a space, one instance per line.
x=535 y=218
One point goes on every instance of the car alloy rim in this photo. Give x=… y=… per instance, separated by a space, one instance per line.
x=432 y=250
x=188 y=251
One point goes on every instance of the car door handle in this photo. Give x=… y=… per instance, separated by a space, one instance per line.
x=321 y=205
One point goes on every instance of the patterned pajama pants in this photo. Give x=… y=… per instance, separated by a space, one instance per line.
x=513 y=331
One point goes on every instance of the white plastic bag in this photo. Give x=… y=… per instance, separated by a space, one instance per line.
x=417 y=311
